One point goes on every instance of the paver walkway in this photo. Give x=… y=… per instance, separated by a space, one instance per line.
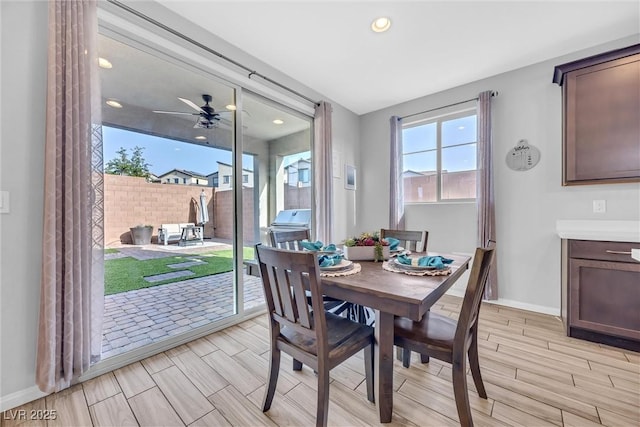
x=144 y=316
x=136 y=318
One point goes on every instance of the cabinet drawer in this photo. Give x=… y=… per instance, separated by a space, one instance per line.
x=603 y=251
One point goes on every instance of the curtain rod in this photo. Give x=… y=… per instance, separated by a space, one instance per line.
x=208 y=49
x=495 y=93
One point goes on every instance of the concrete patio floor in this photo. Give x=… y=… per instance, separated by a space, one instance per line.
x=144 y=316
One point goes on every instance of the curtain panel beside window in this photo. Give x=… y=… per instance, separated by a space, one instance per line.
x=396 y=184
x=72 y=294
x=485 y=198
x=323 y=172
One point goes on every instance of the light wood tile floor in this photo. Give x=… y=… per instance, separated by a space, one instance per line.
x=534 y=376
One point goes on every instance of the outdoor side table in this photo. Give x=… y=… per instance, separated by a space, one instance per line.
x=191 y=234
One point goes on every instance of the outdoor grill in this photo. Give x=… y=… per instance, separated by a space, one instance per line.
x=292 y=219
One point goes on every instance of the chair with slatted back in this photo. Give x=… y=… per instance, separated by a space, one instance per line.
x=415 y=241
x=319 y=339
x=449 y=340
x=288 y=239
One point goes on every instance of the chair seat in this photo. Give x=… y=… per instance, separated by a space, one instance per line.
x=450 y=340
x=434 y=330
x=342 y=333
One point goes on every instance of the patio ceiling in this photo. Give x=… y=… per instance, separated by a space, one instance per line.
x=142 y=82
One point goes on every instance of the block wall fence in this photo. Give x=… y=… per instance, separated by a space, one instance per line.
x=131 y=201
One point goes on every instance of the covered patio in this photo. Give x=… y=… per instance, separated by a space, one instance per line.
x=140 y=317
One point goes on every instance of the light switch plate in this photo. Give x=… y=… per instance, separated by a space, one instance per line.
x=599 y=206
x=4 y=202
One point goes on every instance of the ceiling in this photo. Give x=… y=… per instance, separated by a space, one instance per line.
x=144 y=81
x=431 y=46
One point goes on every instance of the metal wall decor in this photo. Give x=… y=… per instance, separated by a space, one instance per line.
x=523 y=156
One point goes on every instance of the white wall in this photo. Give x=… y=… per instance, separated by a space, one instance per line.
x=24 y=55
x=528 y=203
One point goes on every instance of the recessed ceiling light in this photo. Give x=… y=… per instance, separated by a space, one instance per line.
x=113 y=103
x=201 y=138
x=380 y=25
x=104 y=63
x=278 y=122
x=460 y=127
x=230 y=107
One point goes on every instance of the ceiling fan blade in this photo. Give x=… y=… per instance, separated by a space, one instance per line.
x=176 y=112
x=192 y=105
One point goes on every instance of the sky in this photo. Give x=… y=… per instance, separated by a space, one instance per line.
x=419 y=143
x=163 y=154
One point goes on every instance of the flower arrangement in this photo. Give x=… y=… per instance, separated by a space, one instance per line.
x=369 y=239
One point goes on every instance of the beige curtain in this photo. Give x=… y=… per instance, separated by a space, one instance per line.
x=396 y=184
x=485 y=195
x=323 y=172
x=71 y=301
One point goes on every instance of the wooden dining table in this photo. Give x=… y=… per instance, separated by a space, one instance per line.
x=391 y=294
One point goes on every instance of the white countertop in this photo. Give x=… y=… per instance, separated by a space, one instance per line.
x=605 y=230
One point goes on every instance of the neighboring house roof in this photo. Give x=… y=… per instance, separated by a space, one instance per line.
x=297 y=163
x=228 y=165
x=185 y=172
x=411 y=173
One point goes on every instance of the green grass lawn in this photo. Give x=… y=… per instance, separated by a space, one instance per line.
x=127 y=274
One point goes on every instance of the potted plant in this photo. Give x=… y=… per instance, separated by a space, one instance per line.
x=141 y=234
x=367 y=246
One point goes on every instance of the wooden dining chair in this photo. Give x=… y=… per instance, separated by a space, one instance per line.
x=449 y=340
x=319 y=339
x=415 y=241
x=288 y=239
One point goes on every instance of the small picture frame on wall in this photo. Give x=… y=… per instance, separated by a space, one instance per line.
x=349 y=177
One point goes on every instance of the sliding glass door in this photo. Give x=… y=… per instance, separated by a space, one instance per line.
x=276 y=177
x=169 y=144
x=197 y=171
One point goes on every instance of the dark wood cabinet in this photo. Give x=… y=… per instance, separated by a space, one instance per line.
x=603 y=293
x=601 y=117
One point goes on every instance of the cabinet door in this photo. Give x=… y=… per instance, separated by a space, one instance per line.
x=602 y=122
x=605 y=297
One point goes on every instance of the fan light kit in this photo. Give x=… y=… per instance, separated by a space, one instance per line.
x=104 y=63
x=380 y=25
x=208 y=118
x=113 y=103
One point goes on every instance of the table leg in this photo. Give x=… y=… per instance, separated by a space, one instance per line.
x=383 y=385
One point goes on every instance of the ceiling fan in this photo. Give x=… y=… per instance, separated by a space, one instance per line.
x=208 y=118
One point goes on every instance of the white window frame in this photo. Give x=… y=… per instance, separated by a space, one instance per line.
x=438 y=119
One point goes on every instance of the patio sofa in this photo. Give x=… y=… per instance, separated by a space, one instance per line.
x=168 y=232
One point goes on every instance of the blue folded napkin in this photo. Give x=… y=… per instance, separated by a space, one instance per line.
x=329 y=248
x=426 y=261
x=317 y=246
x=393 y=243
x=329 y=260
x=311 y=246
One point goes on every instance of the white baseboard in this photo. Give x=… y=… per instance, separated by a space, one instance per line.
x=20 y=397
x=514 y=304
